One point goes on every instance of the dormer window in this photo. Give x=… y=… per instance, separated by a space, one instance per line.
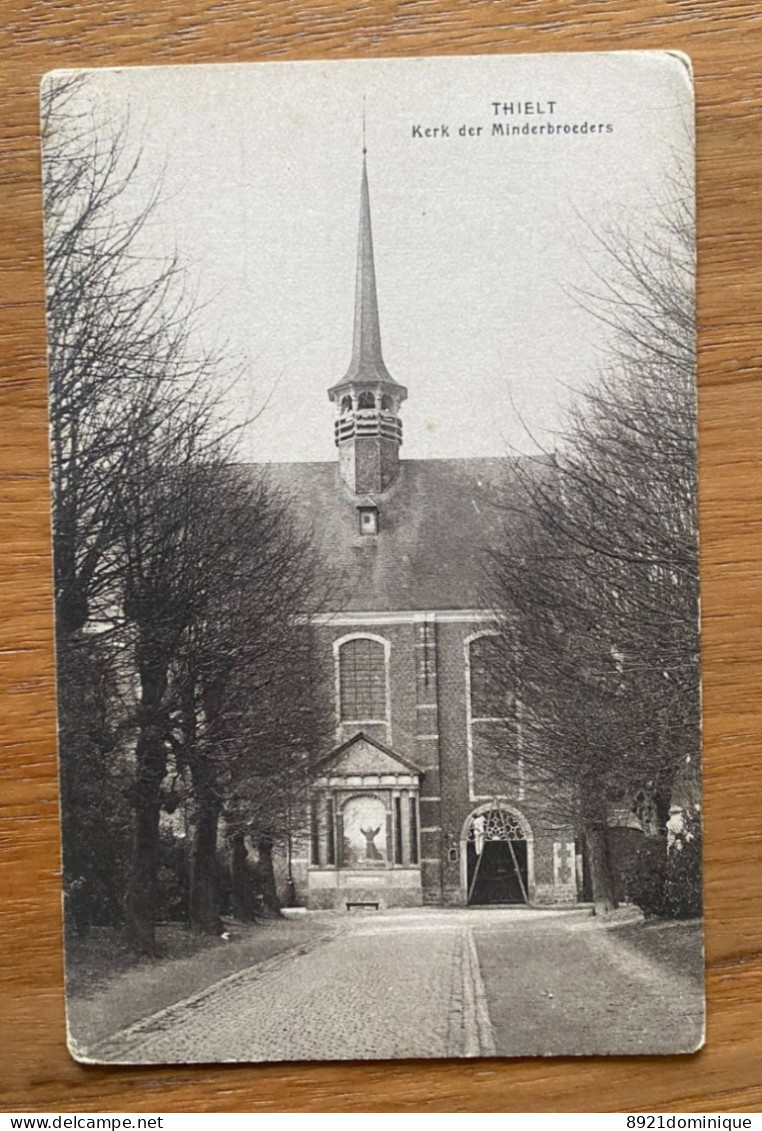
x=368 y=520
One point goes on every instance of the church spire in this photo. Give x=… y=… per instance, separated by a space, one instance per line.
x=367 y=363
x=368 y=431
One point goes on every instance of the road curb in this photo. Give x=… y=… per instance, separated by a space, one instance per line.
x=478 y=1033
x=116 y=1048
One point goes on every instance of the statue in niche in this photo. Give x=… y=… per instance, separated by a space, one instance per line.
x=371 y=852
x=364 y=830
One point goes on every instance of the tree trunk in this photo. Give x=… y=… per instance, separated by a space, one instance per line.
x=601 y=867
x=241 y=880
x=151 y=768
x=662 y=802
x=204 y=889
x=141 y=890
x=267 y=876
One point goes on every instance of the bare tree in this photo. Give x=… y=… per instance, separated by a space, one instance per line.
x=165 y=552
x=117 y=332
x=132 y=428
x=597 y=580
x=247 y=720
x=110 y=336
x=181 y=575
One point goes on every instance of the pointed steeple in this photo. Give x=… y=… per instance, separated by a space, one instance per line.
x=367 y=363
x=367 y=429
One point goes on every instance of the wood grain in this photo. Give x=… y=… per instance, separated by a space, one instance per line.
x=724 y=38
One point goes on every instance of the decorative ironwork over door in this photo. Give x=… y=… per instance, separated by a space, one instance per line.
x=497 y=825
x=496 y=858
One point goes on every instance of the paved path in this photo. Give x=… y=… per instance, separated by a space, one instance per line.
x=569 y=987
x=428 y=983
x=384 y=986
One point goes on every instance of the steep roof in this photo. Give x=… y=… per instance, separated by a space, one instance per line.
x=435 y=522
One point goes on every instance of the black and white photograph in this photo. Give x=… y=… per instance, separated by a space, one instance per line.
x=373 y=458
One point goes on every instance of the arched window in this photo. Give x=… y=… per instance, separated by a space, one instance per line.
x=366 y=400
x=362 y=680
x=386 y=403
x=346 y=404
x=489 y=689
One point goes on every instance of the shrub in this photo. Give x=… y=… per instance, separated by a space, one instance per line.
x=665 y=882
x=682 y=885
x=646 y=877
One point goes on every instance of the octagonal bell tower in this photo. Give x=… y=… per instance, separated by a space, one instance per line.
x=368 y=430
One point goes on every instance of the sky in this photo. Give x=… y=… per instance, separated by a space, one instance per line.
x=482 y=240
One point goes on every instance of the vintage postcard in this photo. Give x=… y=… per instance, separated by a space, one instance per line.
x=373 y=424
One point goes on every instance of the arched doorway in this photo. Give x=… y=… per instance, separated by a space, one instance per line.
x=496 y=854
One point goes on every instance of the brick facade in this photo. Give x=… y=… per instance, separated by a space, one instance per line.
x=419 y=803
x=429 y=727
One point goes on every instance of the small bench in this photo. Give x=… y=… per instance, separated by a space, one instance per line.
x=363 y=904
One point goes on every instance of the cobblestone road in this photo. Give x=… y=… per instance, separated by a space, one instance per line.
x=412 y=984
x=384 y=986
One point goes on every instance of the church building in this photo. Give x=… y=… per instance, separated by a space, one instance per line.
x=412 y=806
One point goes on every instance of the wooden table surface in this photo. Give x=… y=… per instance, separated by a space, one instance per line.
x=724 y=39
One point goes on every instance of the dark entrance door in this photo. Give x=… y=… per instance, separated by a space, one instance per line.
x=497 y=880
